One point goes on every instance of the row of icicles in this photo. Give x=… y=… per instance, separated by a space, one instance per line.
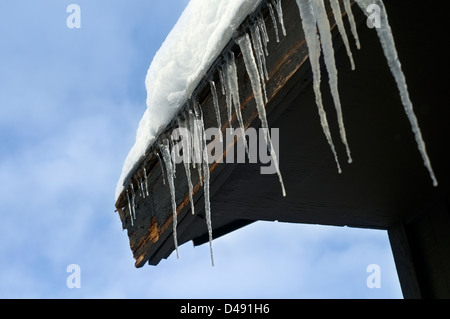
x=254 y=50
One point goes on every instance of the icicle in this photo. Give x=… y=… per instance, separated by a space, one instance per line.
x=328 y=52
x=388 y=44
x=351 y=19
x=228 y=93
x=187 y=158
x=252 y=70
x=222 y=81
x=264 y=36
x=141 y=186
x=146 y=182
x=274 y=21
x=166 y=153
x=340 y=24
x=216 y=108
x=162 y=168
x=133 y=201
x=280 y=15
x=193 y=137
x=313 y=43
x=256 y=40
x=201 y=126
x=129 y=208
x=260 y=52
x=197 y=142
x=173 y=156
x=233 y=87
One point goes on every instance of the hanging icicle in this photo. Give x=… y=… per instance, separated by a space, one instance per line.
x=312 y=40
x=196 y=139
x=252 y=70
x=337 y=13
x=264 y=36
x=187 y=157
x=280 y=15
x=146 y=182
x=274 y=21
x=216 y=108
x=233 y=87
x=351 y=19
x=327 y=46
x=163 y=175
x=133 y=202
x=167 y=156
x=129 y=208
x=390 y=51
x=228 y=93
x=260 y=59
x=202 y=137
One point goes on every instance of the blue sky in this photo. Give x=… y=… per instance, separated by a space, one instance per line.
x=70 y=103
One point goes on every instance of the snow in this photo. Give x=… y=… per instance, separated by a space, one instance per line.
x=200 y=34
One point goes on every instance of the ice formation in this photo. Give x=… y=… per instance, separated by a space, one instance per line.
x=183 y=60
x=309 y=22
x=388 y=44
x=337 y=13
x=252 y=70
x=351 y=19
x=202 y=137
x=216 y=107
x=200 y=34
x=232 y=91
x=167 y=156
x=187 y=151
x=279 y=10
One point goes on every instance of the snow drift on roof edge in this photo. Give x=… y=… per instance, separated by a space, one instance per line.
x=199 y=36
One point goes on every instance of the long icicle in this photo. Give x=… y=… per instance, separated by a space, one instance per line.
x=129 y=208
x=313 y=43
x=390 y=51
x=186 y=141
x=337 y=13
x=234 y=87
x=228 y=94
x=257 y=45
x=264 y=36
x=167 y=156
x=274 y=21
x=252 y=70
x=330 y=62
x=146 y=182
x=351 y=19
x=133 y=200
x=216 y=108
x=279 y=9
x=196 y=146
x=202 y=136
x=162 y=168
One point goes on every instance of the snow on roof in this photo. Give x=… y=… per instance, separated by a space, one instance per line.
x=201 y=33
